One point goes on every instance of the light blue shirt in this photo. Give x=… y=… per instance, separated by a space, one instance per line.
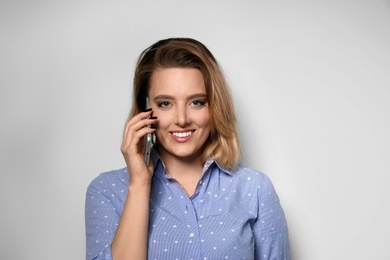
x=231 y=215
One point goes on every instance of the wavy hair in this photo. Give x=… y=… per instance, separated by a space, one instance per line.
x=223 y=143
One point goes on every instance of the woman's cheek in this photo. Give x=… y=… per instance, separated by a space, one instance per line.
x=162 y=123
x=204 y=118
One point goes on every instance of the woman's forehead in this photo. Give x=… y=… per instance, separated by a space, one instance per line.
x=176 y=82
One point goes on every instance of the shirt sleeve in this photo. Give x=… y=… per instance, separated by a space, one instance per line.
x=270 y=228
x=101 y=222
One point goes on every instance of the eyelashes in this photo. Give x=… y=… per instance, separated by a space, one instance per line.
x=163 y=104
x=199 y=103
x=193 y=103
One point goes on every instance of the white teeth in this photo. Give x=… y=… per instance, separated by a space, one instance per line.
x=182 y=134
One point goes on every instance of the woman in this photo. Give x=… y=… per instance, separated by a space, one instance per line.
x=194 y=200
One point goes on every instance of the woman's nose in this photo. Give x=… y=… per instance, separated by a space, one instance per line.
x=182 y=118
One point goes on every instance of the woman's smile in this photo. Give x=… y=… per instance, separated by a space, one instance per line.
x=182 y=136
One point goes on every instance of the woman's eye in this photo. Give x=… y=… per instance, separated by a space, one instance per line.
x=163 y=104
x=198 y=103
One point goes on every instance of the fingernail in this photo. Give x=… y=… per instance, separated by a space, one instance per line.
x=153 y=117
x=149 y=109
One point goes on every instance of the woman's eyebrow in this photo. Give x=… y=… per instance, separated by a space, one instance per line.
x=197 y=95
x=163 y=97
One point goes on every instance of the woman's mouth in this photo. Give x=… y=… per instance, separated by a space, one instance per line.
x=182 y=134
x=182 y=137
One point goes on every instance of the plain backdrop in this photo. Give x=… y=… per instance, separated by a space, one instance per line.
x=311 y=85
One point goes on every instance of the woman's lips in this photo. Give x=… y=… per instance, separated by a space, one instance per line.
x=182 y=136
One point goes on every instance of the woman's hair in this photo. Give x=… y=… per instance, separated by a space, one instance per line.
x=223 y=143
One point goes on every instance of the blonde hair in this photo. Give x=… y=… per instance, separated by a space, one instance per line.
x=223 y=143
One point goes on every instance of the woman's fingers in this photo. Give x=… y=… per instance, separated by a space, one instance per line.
x=136 y=127
x=136 y=119
x=130 y=143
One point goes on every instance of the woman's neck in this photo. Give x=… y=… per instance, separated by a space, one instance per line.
x=186 y=171
x=183 y=166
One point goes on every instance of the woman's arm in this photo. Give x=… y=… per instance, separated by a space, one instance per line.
x=270 y=228
x=130 y=241
x=101 y=216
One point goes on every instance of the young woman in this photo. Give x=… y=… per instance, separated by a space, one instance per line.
x=194 y=200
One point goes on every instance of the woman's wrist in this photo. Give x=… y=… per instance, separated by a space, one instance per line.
x=140 y=184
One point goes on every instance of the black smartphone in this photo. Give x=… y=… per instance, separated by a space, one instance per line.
x=148 y=140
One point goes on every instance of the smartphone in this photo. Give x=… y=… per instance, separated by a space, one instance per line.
x=148 y=140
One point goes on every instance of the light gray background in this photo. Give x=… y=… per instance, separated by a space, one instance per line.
x=311 y=86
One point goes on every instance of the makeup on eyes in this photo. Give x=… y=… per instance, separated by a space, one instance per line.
x=164 y=101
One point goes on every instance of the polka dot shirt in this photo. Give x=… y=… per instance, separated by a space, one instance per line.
x=231 y=215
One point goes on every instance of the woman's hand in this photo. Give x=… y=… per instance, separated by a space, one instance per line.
x=135 y=129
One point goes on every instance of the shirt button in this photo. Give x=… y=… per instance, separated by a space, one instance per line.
x=192 y=235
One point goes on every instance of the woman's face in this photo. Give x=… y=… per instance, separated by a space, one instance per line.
x=178 y=98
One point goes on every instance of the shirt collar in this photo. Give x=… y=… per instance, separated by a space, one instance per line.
x=155 y=156
x=156 y=159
